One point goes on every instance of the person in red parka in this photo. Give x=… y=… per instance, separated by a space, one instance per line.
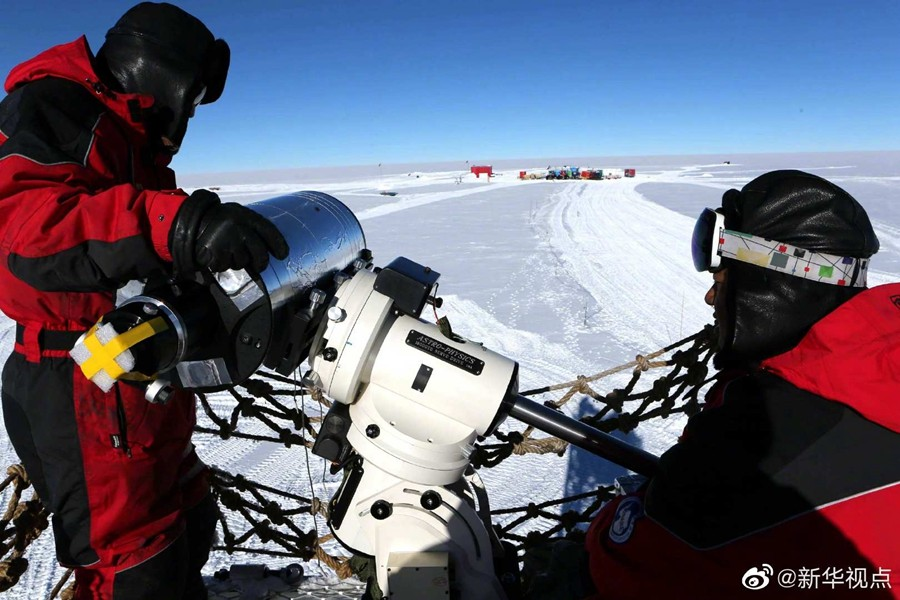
x=87 y=204
x=787 y=484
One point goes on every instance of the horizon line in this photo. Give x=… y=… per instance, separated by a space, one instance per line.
x=497 y=161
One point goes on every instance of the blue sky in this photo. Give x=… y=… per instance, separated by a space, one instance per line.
x=341 y=82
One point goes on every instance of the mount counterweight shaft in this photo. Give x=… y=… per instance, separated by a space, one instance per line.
x=582 y=435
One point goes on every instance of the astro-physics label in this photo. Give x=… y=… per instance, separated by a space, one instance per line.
x=446 y=353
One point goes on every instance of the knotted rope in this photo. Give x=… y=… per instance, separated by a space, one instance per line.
x=20 y=525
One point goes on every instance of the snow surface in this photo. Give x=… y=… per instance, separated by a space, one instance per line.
x=566 y=277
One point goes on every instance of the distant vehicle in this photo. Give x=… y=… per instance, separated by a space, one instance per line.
x=564 y=173
x=589 y=173
x=583 y=173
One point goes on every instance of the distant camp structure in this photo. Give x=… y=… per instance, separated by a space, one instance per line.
x=559 y=173
x=479 y=169
x=556 y=173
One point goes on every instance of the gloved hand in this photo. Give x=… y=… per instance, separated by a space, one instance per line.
x=209 y=234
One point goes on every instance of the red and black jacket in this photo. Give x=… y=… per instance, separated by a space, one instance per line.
x=86 y=203
x=792 y=481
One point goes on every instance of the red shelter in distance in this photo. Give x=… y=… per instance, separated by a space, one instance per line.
x=486 y=169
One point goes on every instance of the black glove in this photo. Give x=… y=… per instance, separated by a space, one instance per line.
x=207 y=233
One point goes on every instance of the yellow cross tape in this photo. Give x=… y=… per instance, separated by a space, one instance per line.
x=103 y=356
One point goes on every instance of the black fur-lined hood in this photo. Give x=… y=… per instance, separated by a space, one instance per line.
x=770 y=312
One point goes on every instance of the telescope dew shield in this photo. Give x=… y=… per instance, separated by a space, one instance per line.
x=325 y=238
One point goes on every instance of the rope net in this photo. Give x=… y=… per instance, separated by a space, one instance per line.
x=261 y=519
x=21 y=523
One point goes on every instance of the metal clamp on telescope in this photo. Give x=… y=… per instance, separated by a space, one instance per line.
x=216 y=330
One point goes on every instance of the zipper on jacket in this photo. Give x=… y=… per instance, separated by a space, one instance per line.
x=121 y=440
x=131 y=162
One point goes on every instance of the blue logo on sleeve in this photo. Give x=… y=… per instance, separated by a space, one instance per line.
x=629 y=511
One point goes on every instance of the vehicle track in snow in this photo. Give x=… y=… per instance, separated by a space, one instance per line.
x=416 y=200
x=631 y=255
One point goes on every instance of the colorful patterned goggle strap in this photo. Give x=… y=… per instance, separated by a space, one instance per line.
x=784 y=258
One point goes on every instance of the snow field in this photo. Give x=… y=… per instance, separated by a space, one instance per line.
x=566 y=277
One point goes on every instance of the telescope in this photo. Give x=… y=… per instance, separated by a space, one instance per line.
x=411 y=399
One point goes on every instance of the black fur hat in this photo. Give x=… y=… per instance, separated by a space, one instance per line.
x=769 y=312
x=160 y=50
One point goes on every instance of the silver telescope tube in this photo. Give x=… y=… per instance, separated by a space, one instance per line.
x=221 y=327
x=324 y=237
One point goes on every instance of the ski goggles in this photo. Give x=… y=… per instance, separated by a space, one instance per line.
x=711 y=242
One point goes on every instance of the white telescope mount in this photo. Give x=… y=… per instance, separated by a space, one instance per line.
x=410 y=402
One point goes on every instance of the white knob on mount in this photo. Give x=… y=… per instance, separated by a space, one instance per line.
x=336 y=314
